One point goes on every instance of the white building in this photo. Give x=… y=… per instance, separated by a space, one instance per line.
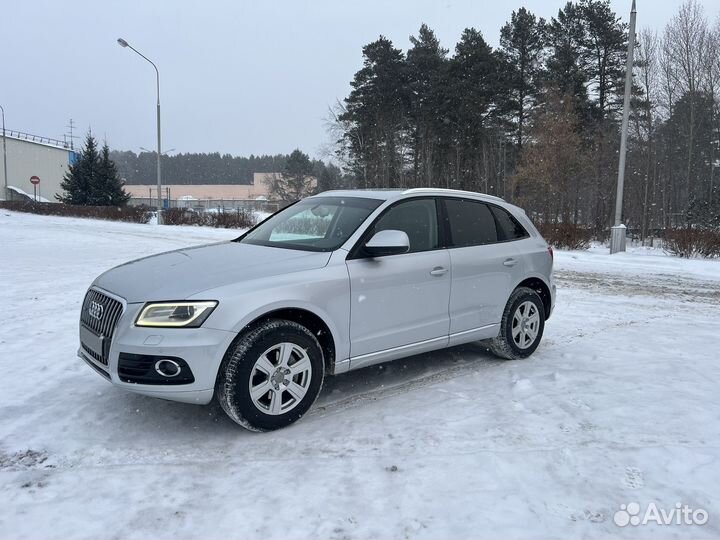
x=31 y=155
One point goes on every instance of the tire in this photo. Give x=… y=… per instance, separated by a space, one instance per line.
x=282 y=360
x=523 y=318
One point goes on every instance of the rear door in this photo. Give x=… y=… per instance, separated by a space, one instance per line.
x=485 y=267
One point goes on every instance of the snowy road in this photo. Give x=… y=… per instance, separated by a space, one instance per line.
x=618 y=405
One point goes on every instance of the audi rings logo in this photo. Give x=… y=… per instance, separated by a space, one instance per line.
x=95 y=310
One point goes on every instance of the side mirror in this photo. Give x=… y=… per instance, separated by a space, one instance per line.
x=388 y=242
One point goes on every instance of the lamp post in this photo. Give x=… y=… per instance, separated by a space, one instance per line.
x=5 y=194
x=124 y=43
x=617 y=232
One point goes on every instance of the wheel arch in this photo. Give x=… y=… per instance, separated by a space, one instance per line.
x=307 y=318
x=538 y=285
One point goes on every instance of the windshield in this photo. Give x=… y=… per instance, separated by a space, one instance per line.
x=314 y=224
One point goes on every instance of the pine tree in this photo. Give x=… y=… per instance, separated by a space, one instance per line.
x=93 y=180
x=426 y=68
x=80 y=178
x=566 y=66
x=471 y=115
x=329 y=176
x=108 y=187
x=522 y=40
x=295 y=182
x=605 y=43
x=376 y=114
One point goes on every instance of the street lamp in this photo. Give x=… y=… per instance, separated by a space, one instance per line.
x=124 y=43
x=5 y=195
x=165 y=153
x=617 y=232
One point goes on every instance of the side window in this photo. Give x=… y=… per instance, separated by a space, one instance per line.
x=417 y=218
x=509 y=228
x=470 y=223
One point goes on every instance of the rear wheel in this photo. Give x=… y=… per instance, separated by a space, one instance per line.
x=271 y=376
x=521 y=327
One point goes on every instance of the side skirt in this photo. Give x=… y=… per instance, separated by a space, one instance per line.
x=403 y=351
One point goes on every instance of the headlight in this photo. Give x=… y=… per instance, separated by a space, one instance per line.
x=175 y=314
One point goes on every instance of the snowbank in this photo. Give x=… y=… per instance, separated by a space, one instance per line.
x=618 y=405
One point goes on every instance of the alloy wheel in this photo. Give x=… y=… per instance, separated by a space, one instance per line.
x=525 y=325
x=280 y=378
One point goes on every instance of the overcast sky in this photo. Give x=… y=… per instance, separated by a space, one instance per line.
x=236 y=77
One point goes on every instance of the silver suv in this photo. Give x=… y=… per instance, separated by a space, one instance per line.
x=332 y=283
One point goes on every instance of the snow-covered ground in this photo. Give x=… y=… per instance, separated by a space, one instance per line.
x=618 y=405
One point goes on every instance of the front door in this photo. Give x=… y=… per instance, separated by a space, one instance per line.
x=399 y=303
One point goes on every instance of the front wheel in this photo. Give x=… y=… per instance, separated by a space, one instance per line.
x=271 y=376
x=521 y=327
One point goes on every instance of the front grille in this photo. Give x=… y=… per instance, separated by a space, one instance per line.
x=97 y=368
x=96 y=356
x=100 y=314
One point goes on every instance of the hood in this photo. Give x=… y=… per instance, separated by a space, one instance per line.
x=180 y=274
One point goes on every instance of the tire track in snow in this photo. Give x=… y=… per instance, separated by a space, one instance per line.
x=475 y=365
x=658 y=286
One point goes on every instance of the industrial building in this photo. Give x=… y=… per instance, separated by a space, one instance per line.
x=30 y=156
x=210 y=196
x=202 y=194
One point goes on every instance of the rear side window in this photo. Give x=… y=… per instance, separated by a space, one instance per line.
x=508 y=227
x=470 y=223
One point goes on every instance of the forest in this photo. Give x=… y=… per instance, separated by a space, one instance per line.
x=537 y=119
x=193 y=168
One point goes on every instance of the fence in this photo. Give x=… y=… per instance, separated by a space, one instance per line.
x=38 y=139
x=210 y=204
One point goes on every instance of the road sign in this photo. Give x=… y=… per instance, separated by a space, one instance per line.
x=35 y=180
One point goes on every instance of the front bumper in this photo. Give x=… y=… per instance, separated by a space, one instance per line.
x=201 y=348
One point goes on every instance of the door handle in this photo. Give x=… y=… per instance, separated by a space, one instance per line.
x=510 y=262
x=438 y=271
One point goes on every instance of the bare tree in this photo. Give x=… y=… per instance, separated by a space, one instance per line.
x=550 y=181
x=686 y=38
x=712 y=84
x=342 y=132
x=668 y=90
x=647 y=74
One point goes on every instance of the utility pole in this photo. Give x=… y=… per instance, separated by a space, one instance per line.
x=5 y=193
x=72 y=136
x=617 y=233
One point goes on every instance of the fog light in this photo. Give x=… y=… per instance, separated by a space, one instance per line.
x=167 y=367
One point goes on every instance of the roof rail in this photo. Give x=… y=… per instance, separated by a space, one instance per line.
x=452 y=191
